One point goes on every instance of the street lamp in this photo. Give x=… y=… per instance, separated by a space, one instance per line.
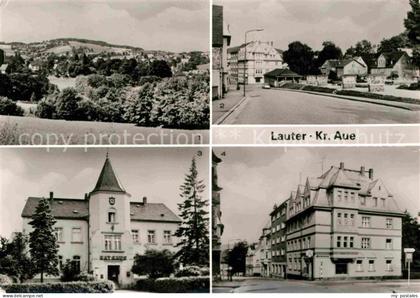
x=246 y=32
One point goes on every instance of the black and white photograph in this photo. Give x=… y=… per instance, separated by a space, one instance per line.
x=316 y=220
x=104 y=72
x=315 y=62
x=104 y=220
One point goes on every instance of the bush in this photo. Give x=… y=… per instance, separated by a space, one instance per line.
x=9 y=107
x=69 y=272
x=154 y=263
x=413 y=86
x=148 y=79
x=84 y=276
x=46 y=108
x=188 y=271
x=5 y=280
x=67 y=104
x=195 y=284
x=68 y=287
x=205 y=271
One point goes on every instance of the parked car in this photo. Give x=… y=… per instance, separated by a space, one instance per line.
x=266 y=86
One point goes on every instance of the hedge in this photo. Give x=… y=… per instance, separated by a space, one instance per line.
x=64 y=287
x=193 y=284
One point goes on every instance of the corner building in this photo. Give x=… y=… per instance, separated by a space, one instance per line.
x=102 y=233
x=343 y=224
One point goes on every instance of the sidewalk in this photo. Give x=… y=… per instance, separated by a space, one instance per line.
x=389 y=103
x=222 y=106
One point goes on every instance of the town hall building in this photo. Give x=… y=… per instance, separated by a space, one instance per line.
x=102 y=232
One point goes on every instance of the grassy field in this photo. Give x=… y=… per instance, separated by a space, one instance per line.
x=35 y=131
x=62 y=82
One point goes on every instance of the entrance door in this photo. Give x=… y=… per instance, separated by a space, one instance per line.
x=113 y=272
x=341 y=268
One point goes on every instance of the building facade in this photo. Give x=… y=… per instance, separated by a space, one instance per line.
x=220 y=42
x=251 y=61
x=355 y=66
x=343 y=224
x=217 y=226
x=278 y=240
x=394 y=64
x=102 y=233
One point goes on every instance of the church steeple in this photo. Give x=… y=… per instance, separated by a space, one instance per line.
x=107 y=180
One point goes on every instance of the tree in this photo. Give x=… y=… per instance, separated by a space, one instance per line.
x=411 y=236
x=236 y=258
x=412 y=22
x=67 y=104
x=393 y=44
x=300 y=58
x=193 y=231
x=160 y=68
x=153 y=263
x=42 y=241
x=329 y=51
x=363 y=49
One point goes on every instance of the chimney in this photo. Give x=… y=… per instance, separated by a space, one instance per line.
x=86 y=196
x=51 y=195
x=370 y=173
x=144 y=200
x=341 y=165
x=362 y=170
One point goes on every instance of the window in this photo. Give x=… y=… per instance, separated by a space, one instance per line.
x=113 y=242
x=383 y=202
x=365 y=222
x=167 y=237
x=339 y=218
x=111 y=216
x=135 y=235
x=389 y=223
x=351 y=243
x=151 y=236
x=363 y=201
x=341 y=268
x=365 y=242
x=359 y=265
x=345 y=219
x=375 y=202
x=76 y=235
x=352 y=219
x=388 y=265
x=388 y=243
x=371 y=265
x=345 y=241
x=338 y=241
x=76 y=264
x=58 y=232
x=309 y=242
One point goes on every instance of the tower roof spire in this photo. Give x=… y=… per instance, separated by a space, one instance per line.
x=107 y=180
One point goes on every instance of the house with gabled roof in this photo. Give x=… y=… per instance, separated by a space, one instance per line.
x=343 y=224
x=394 y=64
x=102 y=232
x=343 y=67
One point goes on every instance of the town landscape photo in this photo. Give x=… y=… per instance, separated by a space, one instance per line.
x=315 y=220
x=104 y=220
x=316 y=62
x=126 y=72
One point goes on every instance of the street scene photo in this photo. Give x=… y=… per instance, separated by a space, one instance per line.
x=104 y=72
x=315 y=62
x=315 y=220
x=102 y=221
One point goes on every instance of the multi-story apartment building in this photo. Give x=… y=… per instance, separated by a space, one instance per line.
x=342 y=224
x=261 y=57
x=278 y=240
x=220 y=41
x=265 y=250
x=217 y=226
x=103 y=232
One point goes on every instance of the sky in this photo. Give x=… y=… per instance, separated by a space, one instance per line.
x=313 y=21
x=171 y=25
x=155 y=173
x=254 y=179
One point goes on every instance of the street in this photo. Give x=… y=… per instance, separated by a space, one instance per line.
x=278 y=106
x=264 y=285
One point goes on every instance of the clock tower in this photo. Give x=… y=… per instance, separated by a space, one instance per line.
x=110 y=242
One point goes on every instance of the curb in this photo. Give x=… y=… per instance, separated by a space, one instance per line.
x=228 y=113
x=367 y=100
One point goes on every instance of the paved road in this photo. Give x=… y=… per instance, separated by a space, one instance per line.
x=276 y=106
x=298 y=286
